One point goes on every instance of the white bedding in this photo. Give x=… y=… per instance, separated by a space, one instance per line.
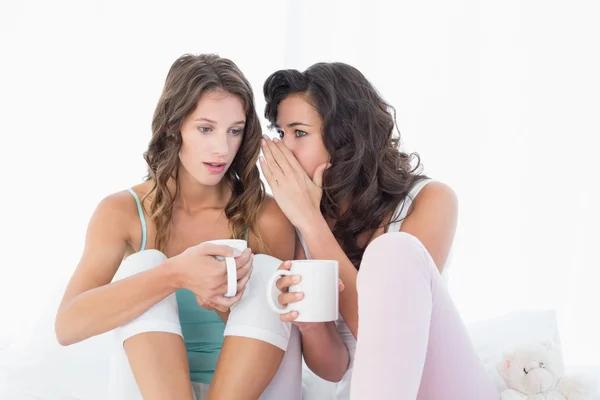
x=80 y=372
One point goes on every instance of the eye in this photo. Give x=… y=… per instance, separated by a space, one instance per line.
x=236 y=131
x=300 y=133
x=525 y=370
x=205 y=129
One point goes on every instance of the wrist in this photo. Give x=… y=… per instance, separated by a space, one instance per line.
x=171 y=274
x=312 y=223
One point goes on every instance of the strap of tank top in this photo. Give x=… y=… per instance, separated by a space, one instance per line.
x=304 y=246
x=404 y=206
x=142 y=218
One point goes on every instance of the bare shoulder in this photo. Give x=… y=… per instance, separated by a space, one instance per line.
x=276 y=230
x=437 y=194
x=117 y=206
x=433 y=220
x=117 y=214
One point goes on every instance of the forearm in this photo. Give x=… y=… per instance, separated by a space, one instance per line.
x=323 y=246
x=324 y=351
x=107 y=307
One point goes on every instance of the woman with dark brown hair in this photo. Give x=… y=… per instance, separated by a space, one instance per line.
x=146 y=267
x=337 y=173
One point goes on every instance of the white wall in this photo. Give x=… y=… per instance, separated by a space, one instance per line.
x=80 y=81
x=499 y=98
x=501 y=101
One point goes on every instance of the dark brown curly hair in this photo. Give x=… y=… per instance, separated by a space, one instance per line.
x=368 y=171
x=188 y=79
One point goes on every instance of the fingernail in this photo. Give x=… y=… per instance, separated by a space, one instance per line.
x=298 y=295
x=276 y=140
x=262 y=159
x=265 y=137
x=263 y=142
x=296 y=279
x=294 y=314
x=237 y=252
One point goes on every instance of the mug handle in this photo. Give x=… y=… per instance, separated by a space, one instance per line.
x=278 y=274
x=231 y=276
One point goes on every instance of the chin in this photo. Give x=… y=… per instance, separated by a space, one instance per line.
x=209 y=179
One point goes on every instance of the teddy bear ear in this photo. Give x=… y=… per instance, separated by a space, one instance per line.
x=504 y=364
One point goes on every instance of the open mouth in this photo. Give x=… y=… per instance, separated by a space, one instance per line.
x=215 y=167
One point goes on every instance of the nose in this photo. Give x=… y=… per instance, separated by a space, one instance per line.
x=289 y=142
x=220 y=145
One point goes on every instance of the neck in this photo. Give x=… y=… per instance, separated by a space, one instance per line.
x=193 y=196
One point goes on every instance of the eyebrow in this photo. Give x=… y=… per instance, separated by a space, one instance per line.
x=242 y=122
x=293 y=124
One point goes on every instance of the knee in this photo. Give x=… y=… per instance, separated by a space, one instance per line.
x=393 y=252
x=394 y=245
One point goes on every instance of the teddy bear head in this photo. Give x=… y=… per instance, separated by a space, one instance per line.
x=532 y=368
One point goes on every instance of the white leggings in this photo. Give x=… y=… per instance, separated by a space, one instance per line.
x=251 y=317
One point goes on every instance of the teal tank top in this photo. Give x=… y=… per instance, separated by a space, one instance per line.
x=203 y=330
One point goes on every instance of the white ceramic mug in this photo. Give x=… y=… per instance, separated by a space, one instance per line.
x=239 y=244
x=318 y=282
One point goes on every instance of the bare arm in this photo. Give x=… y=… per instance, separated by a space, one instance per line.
x=91 y=304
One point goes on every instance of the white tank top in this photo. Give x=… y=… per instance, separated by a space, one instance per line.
x=319 y=389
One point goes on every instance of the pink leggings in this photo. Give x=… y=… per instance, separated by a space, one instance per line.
x=411 y=343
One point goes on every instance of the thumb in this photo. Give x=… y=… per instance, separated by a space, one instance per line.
x=318 y=175
x=211 y=249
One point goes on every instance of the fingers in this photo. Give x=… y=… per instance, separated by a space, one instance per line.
x=286 y=265
x=245 y=269
x=223 y=304
x=275 y=157
x=289 y=317
x=264 y=167
x=289 y=156
x=243 y=260
x=243 y=276
x=341 y=285
x=268 y=164
x=211 y=249
x=285 y=282
x=318 y=174
x=207 y=305
x=286 y=298
x=241 y=284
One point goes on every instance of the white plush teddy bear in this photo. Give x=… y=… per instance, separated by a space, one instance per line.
x=535 y=371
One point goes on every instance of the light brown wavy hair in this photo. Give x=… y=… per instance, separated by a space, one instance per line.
x=190 y=77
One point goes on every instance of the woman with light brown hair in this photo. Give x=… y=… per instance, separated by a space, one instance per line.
x=146 y=270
